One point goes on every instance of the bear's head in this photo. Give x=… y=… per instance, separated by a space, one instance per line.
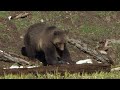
x=60 y=39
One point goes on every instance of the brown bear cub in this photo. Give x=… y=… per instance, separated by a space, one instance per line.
x=49 y=40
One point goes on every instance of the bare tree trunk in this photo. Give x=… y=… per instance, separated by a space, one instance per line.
x=80 y=68
x=7 y=57
x=83 y=47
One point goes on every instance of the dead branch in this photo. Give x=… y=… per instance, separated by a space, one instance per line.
x=114 y=41
x=79 y=68
x=83 y=47
x=21 y=15
x=7 y=57
x=115 y=69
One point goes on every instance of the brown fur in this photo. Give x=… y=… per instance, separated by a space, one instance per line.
x=48 y=39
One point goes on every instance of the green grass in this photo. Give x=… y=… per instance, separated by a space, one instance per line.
x=104 y=13
x=2 y=27
x=18 y=76
x=100 y=75
x=3 y=14
x=22 y=23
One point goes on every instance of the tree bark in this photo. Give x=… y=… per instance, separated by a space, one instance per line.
x=80 y=68
x=21 y=15
x=97 y=55
x=7 y=57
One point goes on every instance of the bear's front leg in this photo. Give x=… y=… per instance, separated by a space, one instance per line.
x=65 y=56
x=51 y=56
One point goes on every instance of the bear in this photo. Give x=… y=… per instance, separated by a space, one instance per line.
x=48 y=42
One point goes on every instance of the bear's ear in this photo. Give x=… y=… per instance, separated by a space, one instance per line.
x=51 y=27
x=61 y=32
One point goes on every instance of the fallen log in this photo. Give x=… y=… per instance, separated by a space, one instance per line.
x=79 y=68
x=7 y=57
x=84 y=47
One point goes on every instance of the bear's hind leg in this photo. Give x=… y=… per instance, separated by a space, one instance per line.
x=30 y=52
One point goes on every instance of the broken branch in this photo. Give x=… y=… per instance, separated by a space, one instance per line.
x=21 y=15
x=83 y=47
x=7 y=57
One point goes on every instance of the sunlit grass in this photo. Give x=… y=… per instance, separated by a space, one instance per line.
x=66 y=75
x=4 y=14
